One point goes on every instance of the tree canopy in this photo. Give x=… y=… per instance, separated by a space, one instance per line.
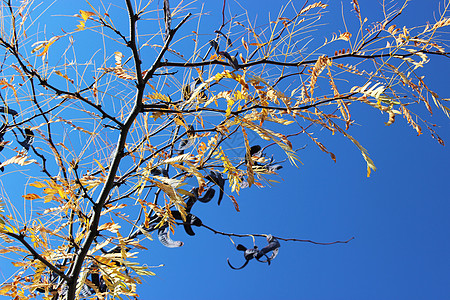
x=127 y=123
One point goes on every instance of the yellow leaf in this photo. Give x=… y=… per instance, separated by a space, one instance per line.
x=369 y=170
x=100 y=165
x=156 y=96
x=311 y=6
x=180 y=122
x=19 y=264
x=19 y=159
x=365 y=154
x=184 y=192
x=6 y=289
x=6 y=84
x=345 y=36
x=147 y=235
x=63 y=76
x=38 y=184
x=81 y=26
x=193 y=170
x=244 y=43
x=46 y=45
x=48 y=198
x=62 y=193
x=112 y=227
x=60 y=74
x=174 y=197
x=258 y=44
x=176 y=159
x=391 y=119
x=31 y=197
x=12 y=249
x=86 y=14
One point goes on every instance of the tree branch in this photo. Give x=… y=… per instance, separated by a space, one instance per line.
x=279 y=238
x=295 y=64
x=36 y=255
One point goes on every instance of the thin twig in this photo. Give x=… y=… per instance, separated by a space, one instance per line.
x=277 y=237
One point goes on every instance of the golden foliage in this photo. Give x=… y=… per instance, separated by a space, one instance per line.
x=311 y=6
x=321 y=63
x=181 y=124
x=118 y=69
x=20 y=159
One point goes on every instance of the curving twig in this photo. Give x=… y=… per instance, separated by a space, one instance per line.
x=277 y=237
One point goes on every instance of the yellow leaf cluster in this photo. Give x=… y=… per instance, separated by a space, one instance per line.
x=113 y=270
x=345 y=36
x=110 y=226
x=410 y=120
x=311 y=6
x=84 y=16
x=175 y=198
x=374 y=91
x=44 y=45
x=52 y=190
x=21 y=160
x=191 y=169
x=90 y=182
x=5 y=84
x=441 y=23
x=234 y=175
x=7 y=228
x=321 y=63
x=31 y=196
x=156 y=96
x=118 y=69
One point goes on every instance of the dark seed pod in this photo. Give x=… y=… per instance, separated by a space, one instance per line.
x=217 y=178
x=7 y=110
x=215 y=45
x=29 y=139
x=209 y=194
x=164 y=238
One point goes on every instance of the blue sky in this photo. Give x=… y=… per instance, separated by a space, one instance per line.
x=399 y=216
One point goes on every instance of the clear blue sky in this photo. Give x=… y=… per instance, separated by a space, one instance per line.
x=399 y=216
